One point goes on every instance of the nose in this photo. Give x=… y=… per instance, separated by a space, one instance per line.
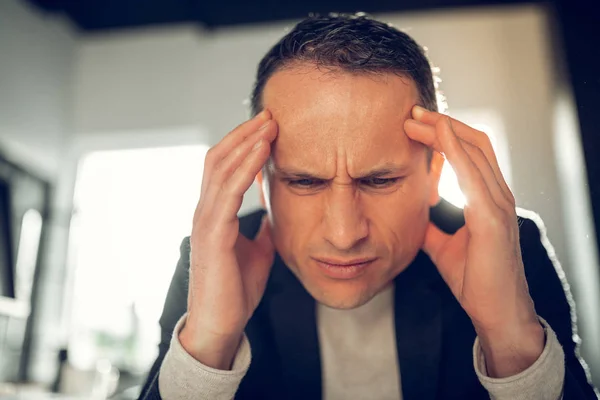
x=344 y=222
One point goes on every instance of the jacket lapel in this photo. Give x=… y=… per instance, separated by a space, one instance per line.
x=418 y=322
x=418 y=314
x=292 y=312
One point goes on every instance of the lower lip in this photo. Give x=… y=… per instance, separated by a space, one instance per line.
x=344 y=271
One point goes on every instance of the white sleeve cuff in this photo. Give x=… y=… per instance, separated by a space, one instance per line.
x=183 y=377
x=542 y=380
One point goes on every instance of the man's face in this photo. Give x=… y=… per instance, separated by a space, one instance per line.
x=349 y=193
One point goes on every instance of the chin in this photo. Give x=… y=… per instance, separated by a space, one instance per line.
x=343 y=295
x=346 y=293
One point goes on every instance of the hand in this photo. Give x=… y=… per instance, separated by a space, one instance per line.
x=481 y=263
x=228 y=272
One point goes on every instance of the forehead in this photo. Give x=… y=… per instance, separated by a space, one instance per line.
x=313 y=88
x=331 y=113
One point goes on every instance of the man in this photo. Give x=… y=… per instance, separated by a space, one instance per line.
x=359 y=282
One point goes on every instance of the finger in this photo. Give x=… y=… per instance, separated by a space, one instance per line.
x=232 y=140
x=470 y=135
x=464 y=131
x=427 y=134
x=423 y=133
x=484 y=167
x=242 y=131
x=469 y=177
x=231 y=193
x=221 y=172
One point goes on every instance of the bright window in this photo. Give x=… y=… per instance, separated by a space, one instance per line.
x=490 y=123
x=132 y=209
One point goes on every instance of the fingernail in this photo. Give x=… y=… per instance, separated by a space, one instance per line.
x=264 y=115
x=414 y=122
x=418 y=111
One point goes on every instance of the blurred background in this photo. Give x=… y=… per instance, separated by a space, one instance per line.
x=107 y=109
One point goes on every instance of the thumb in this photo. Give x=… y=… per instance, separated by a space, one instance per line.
x=435 y=240
x=263 y=237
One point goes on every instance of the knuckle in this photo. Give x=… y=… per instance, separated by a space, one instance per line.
x=238 y=150
x=442 y=122
x=218 y=175
x=484 y=141
x=209 y=159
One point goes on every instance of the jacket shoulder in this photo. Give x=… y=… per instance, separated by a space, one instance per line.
x=534 y=239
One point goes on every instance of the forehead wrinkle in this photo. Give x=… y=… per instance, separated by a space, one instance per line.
x=339 y=121
x=347 y=96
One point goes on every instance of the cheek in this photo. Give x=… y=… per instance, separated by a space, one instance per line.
x=294 y=217
x=401 y=217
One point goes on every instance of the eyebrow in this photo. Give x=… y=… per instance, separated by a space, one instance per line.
x=378 y=172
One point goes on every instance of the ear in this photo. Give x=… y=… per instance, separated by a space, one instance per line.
x=435 y=172
x=259 y=180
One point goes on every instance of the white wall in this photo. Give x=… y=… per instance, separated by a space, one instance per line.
x=36 y=70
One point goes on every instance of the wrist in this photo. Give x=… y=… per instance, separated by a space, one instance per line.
x=511 y=349
x=215 y=351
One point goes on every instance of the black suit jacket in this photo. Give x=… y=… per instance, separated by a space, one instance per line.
x=434 y=335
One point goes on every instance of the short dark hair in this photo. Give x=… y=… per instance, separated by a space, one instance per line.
x=353 y=43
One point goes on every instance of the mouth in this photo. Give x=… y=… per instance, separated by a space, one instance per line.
x=344 y=269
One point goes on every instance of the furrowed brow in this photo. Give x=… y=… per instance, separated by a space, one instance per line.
x=388 y=170
x=292 y=173
x=385 y=171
